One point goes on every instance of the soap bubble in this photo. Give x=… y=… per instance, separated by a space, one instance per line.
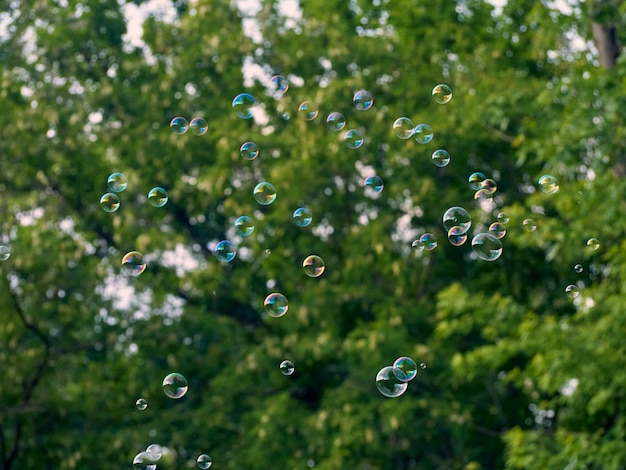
x=175 y=385
x=497 y=229
x=287 y=367
x=286 y=116
x=593 y=243
x=572 y=291
x=204 y=461
x=403 y=128
x=302 y=217
x=117 y=182
x=264 y=193
x=110 y=202
x=440 y=158
x=486 y=246
x=578 y=268
x=243 y=104
x=154 y=452
x=375 y=183
x=488 y=185
x=503 y=218
x=457 y=217
x=249 y=150
x=141 y=404
x=308 y=110
x=388 y=384
x=198 y=126
x=278 y=85
x=313 y=266
x=548 y=184
x=428 y=241
x=405 y=369
x=456 y=236
x=353 y=138
x=529 y=225
x=244 y=226
x=179 y=125
x=143 y=462
x=133 y=263
x=158 y=197
x=476 y=180
x=442 y=93
x=276 y=304
x=363 y=100
x=225 y=251
x=484 y=199
x=336 y=121
x=423 y=133
x=5 y=252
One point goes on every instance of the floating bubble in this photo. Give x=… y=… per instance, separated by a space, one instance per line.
x=143 y=462
x=154 y=452
x=578 y=268
x=204 y=461
x=243 y=104
x=264 y=193
x=405 y=369
x=529 y=225
x=336 y=121
x=302 y=216
x=287 y=367
x=423 y=365
x=457 y=217
x=417 y=244
x=198 y=126
x=484 y=199
x=117 y=182
x=141 y=404
x=133 y=263
x=110 y=202
x=440 y=158
x=175 y=385
x=388 y=384
x=179 y=125
x=374 y=182
x=249 y=150
x=423 y=133
x=572 y=291
x=244 y=226
x=593 y=243
x=225 y=251
x=403 y=128
x=548 y=184
x=313 y=266
x=286 y=116
x=276 y=305
x=363 y=100
x=5 y=252
x=158 y=196
x=476 y=180
x=279 y=85
x=308 y=110
x=456 y=236
x=497 y=229
x=428 y=241
x=503 y=218
x=353 y=138
x=486 y=246
x=488 y=185
x=442 y=93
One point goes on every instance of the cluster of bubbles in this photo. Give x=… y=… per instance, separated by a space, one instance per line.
x=197 y=126
x=147 y=459
x=118 y=182
x=392 y=381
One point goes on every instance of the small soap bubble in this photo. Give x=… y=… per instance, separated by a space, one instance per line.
x=488 y=185
x=548 y=184
x=363 y=100
x=308 y=110
x=225 y=251
x=457 y=217
x=442 y=93
x=593 y=243
x=403 y=128
x=428 y=241
x=456 y=236
x=440 y=158
x=279 y=85
x=405 y=369
x=264 y=193
x=175 y=385
x=286 y=116
x=313 y=266
x=276 y=304
x=336 y=121
x=244 y=226
x=484 y=199
x=204 y=461
x=529 y=225
x=503 y=218
x=302 y=217
x=578 y=268
x=5 y=252
x=179 y=125
x=110 y=202
x=141 y=404
x=486 y=246
x=423 y=365
x=143 y=462
x=198 y=126
x=133 y=263
x=287 y=367
x=388 y=384
x=572 y=291
x=158 y=196
x=423 y=133
x=374 y=182
x=154 y=452
x=249 y=150
x=353 y=138
x=476 y=180
x=117 y=182
x=243 y=104
x=497 y=229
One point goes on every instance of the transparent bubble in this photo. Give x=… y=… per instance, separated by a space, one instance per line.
x=302 y=217
x=353 y=138
x=374 y=182
x=457 y=217
x=286 y=116
x=497 y=229
x=287 y=367
x=225 y=251
x=243 y=104
x=403 y=128
x=388 y=384
x=244 y=226
x=249 y=150
x=417 y=245
x=336 y=121
x=440 y=158
x=572 y=291
x=308 y=110
x=486 y=246
x=141 y=404
x=456 y=236
x=276 y=305
x=593 y=243
x=428 y=241
x=158 y=197
x=154 y=452
x=503 y=218
x=423 y=133
x=484 y=199
x=198 y=126
x=133 y=263
x=529 y=225
x=476 y=180
x=143 y=462
x=488 y=185
x=204 y=461
x=405 y=369
x=313 y=266
x=278 y=85
x=179 y=125
x=442 y=93
x=5 y=252
x=578 y=268
x=175 y=385
x=117 y=182
x=423 y=365
x=363 y=100
x=110 y=202
x=264 y=193
x=548 y=184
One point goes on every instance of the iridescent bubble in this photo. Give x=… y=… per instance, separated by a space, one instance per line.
x=154 y=452
x=158 y=196
x=117 y=182
x=313 y=266
x=225 y=251
x=353 y=138
x=308 y=110
x=593 y=244
x=249 y=150
x=529 y=225
x=457 y=217
x=179 y=125
x=374 y=182
x=388 y=384
x=286 y=116
x=198 y=126
x=486 y=246
x=204 y=461
x=405 y=369
x=497 y=229
x=423 y=133
x=175 y=385
x=578 y=268
x=440 y=158
x=264 y=193
x=133 y=263
x=279 y=85
x=244 y=226
x=417 y=245
x=503 y=218
x=243 y=104
x=336 y=121
x=428 y=241
x=363 y=100
x=276 y=305
x=456 y=236
x=403 y=128
x=548 y=184
x=572 y=291
x=110 y=202
x=488 y=185
x=302 y=216
x=476 y=180
x=484 y=199
x=287 y=367
x=143 y=462
x=141 y=404
x=442 y=93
